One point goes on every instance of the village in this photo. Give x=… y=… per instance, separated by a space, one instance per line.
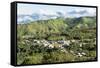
x=63 y=45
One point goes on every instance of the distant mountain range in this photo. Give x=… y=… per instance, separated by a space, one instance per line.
x=38 y=16
x=22 y=19
x=81 y=22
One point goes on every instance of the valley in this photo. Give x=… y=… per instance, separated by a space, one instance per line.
x=56 y=40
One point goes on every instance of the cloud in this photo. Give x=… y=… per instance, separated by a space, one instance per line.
x=66 y=11
x=81 y=11
x=78 y=12
x=46 y=12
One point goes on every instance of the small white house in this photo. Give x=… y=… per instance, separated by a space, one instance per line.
x=80 y=44
x=67 y=42
x=51 y=46
x=83 y=53
x=79 y=55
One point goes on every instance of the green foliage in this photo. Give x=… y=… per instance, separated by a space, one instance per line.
x=92 y=54
x=81 y=30
x=56 y=38
x=54 y=57
x=34 y=59
x=82 y=58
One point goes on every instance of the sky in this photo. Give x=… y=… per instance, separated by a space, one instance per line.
x=67 y=11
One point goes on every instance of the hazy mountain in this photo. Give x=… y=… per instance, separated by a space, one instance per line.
x=85 y=21
x=81 y=22
x=35 y=17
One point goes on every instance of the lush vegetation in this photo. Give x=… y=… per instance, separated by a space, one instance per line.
x=56 y=40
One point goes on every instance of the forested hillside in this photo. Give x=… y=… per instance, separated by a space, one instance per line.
x=56 y=40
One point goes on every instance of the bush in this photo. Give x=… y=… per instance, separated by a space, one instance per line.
x=36 y=58
x=55 y=57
